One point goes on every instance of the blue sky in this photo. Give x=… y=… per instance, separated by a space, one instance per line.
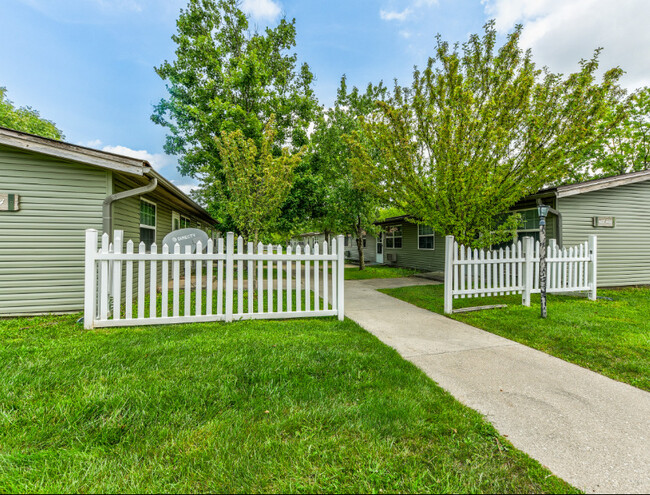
x=88 y=64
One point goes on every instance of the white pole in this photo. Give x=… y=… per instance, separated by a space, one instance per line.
x=118 y=237
x=449 y=272
x=593 y=250
x=340 y=277
x=528 y=271
x=230 y=247
x=90 y=283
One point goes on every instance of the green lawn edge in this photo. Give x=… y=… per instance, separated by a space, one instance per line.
x=312 y=405
x=610 y=335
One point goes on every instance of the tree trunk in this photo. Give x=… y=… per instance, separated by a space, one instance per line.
x=362 y=261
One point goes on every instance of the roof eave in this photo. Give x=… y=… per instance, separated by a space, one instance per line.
x=72 y=152
x=605 y=183
x=176 y=191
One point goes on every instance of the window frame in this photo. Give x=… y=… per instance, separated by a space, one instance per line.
x=523 y=232
x=390 y=236
x=155 y=221
x=432 y=235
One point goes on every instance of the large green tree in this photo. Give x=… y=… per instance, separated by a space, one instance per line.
x=625 y=145
x=257 y=182
x=479 y=129
x=348 y=206
x=227 y=78
x=25 y=119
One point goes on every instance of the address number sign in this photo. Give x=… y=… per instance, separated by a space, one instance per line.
x=9 y=202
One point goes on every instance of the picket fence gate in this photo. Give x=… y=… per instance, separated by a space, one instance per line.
x=515 y=270
x=117 y=282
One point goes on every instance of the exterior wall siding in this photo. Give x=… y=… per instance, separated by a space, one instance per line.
x=369 y=252
x=126 y=213
x=623 y=251
x=409 y=256
x=42 y=245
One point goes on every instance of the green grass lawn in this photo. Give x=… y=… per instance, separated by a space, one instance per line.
x=379 y=271
x=311 y=405
x=610 y=337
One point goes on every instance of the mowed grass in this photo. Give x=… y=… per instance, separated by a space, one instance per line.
x=611 y=337
x=379 y=271
x=312 y=405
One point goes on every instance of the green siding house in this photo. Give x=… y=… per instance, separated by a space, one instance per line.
x=60 y=190
x=616 y=209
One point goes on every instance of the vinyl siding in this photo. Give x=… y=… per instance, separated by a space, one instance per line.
x=624 y=251
x=409 y=256
x=126 y=213
x=369 y=252
x=42 y=245
x=126 y=217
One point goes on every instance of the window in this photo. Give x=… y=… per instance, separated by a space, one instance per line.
x=346 y=241
x=426 y=237
x=529 y=225
x=394 y=237
x=147 y=223
x=179 y=221
x=364 y=241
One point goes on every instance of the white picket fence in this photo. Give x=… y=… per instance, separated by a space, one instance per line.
x=515 y=270
x=298 y=283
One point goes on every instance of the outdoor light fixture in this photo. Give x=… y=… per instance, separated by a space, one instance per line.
x=543 y=212
x=542 y=209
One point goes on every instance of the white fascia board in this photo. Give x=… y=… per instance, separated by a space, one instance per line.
x=78 y=154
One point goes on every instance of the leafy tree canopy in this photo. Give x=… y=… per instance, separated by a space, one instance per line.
x=225 y=78
x=26 y=119
x=479 y=129
x=257 y=182
x=348 y=205
x=625 y=144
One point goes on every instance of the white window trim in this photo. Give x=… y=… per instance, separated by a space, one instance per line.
x=525 y=231
x=433 y=235
x=188 y=222
x=392 y=235
x=155 y=219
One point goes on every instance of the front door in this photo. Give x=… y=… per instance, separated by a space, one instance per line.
x=380 y=248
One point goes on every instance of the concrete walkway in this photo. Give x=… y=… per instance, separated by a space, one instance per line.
x=591 y=431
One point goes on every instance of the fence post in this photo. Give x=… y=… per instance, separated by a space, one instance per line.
x=449 y=274
x=90 y=282
x=118 y=239
x=230 y=248
x=528 y=271
x=340 y=268
x=593 y=250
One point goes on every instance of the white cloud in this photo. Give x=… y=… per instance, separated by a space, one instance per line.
x=95 y=143
x=560 y=33
x=393 y=15
x=261 y=9
x=186 y=188
x=157 y=160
